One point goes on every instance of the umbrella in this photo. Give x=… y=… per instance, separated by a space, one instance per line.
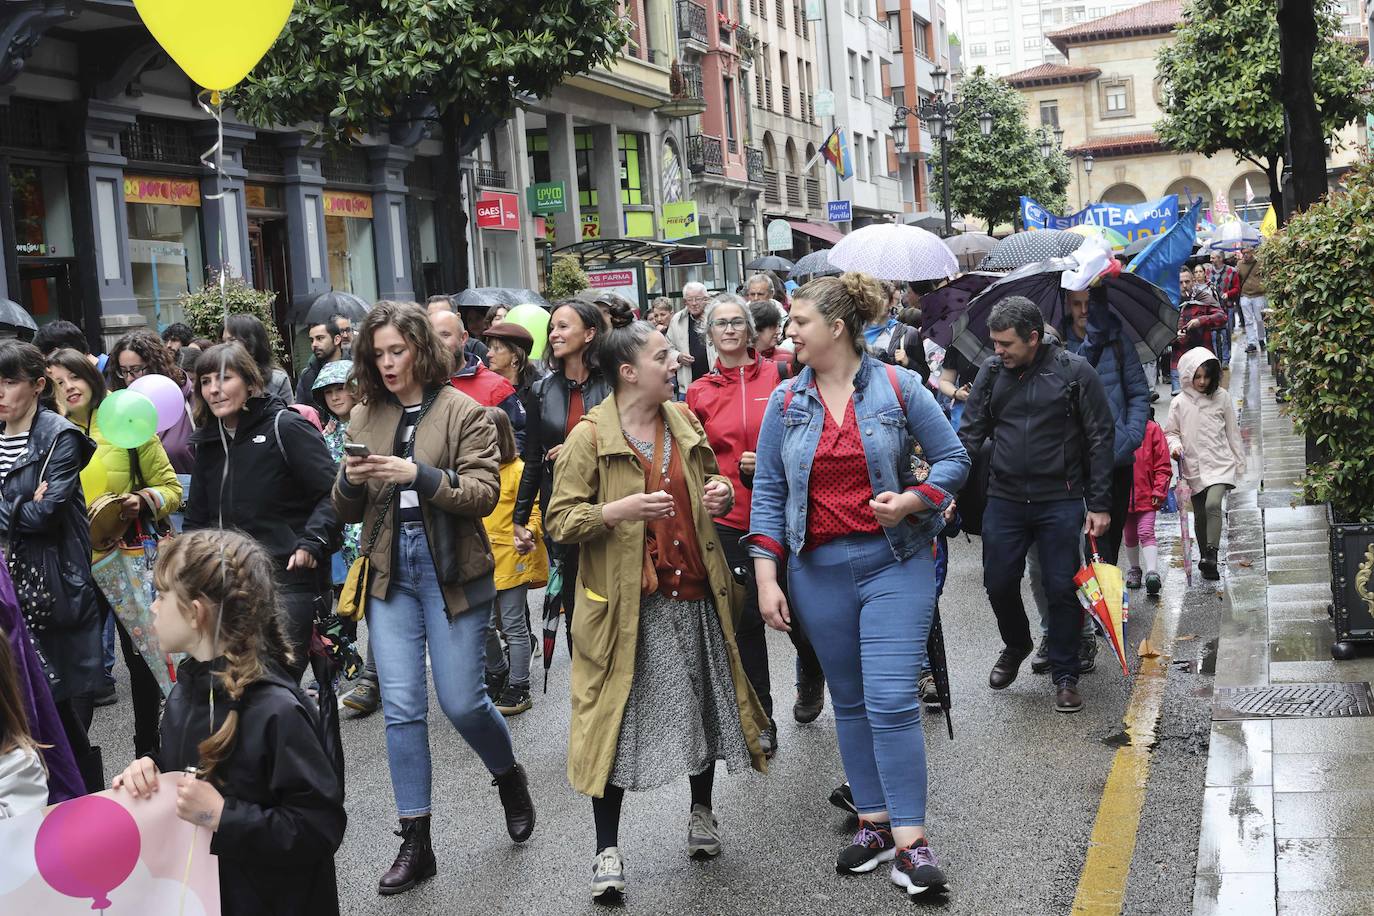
x=1183 y=496
x=483 y=296
x=1148 y=318
x=324 y=667
x=1138 y=245
x=1234 y=236
x=327 y=305
x=931 y=221
x=939 y=666
x=1024 y=248
x=971 y=247
x=1114 y=240
x=940 y=309
x=14 y=315
x=769 y=262
x=889 y=251
x=553 y=610
x=1102 y=594
x=815 y=264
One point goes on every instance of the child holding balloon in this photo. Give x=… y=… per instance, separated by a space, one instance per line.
x=140 y=475
x=256 y=773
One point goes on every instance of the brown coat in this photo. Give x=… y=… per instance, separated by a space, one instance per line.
x=458 y=481
x=597 y=466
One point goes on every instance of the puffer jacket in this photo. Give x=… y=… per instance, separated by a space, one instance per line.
x=546 y=422
x=154 y=470
x=730 y=404
x=458 y=482
x=1123 y=377
x=283 y=816
x=1153 y=471
x=515 y=569
x=1204 y=427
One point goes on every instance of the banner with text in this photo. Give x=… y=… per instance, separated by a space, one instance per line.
x=1132 y=220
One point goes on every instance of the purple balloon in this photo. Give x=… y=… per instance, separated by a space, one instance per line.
x=166 y=397
x=87 y=847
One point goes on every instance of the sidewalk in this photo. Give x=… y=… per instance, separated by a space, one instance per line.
x=1288 y=812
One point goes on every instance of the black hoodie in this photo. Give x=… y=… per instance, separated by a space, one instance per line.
x=276 y=488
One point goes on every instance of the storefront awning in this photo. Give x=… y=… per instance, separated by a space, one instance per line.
x=617 y=251
x=820 y=231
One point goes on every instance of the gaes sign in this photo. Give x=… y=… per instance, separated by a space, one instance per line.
x=498 y=210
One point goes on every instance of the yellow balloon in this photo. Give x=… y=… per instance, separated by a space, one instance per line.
x=93 y=479
x=215 y=41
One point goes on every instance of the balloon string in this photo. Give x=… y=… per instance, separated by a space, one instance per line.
x=186 y=875
x=213 y=104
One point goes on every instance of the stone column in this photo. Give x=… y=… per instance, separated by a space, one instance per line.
x=606 y=180
x=563 y=167
x=100 y=221
x=226 y=214
x=303 y=198
x=389 y=236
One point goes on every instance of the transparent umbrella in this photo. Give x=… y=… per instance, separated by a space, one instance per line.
x=890 y=251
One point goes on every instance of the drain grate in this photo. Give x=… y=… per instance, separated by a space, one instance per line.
x=1284 y=701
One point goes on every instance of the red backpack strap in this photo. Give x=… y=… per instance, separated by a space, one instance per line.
x=896 y=385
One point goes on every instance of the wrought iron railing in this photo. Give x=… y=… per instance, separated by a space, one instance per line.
x=692 y=86
x=491 y=178
x=753 y=160
x=704 y=155
x=691 y=20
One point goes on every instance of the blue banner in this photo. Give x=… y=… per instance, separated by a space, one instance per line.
x=1161 y=259
x=1131 y=220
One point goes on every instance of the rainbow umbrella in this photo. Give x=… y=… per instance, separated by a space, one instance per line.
x=1102 y=593
x=1109 y=236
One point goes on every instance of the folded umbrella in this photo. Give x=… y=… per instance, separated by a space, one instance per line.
x=1183 y=495
x=1102 y=593
x=890 y=251
x=938 y=662
x=553 y=610
x=1022 y=248
x=815 y=264
x=1148 y=319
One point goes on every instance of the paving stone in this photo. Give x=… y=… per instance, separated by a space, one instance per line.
x=1345 y=813
x=1336 y=864
x=1229 y=894
x=1240 y=753
x=1322 y=903
x=1319 y=772
x=1237 y=830
x=1300 y=640
x=1349 y=736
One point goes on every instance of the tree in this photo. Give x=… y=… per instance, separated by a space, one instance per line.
x=398 y=66
x=1220 y=84
x=567 y=278
x=988 y=175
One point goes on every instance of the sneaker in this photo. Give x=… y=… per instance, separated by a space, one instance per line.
x=364 y=698
x=916 y=870
x=842 y=797
x=608 y=875
x=1087 y=654
x=1066 y=696
x=514 y=700
x=768 y=740
x=1040 y=663
x=930 y=693
x=872 y=846
x=496 y=683
x=1251 y=348
x=810 y=700
x=1133 y=577
x=703 y=833
x=1153 y=584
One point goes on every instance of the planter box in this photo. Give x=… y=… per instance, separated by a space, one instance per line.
x=1352 y=586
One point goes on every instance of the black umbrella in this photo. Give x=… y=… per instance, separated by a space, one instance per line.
x=486 y=296
x=769 y=262
x=815 y=264
x=14 y=315
x=939 y=667
x=1148 y=318
x=553 y=610
x=326 y=306
x=1024 y=248
x=940 y=309
x=324 y=665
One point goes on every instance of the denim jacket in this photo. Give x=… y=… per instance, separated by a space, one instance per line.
x=789 y=438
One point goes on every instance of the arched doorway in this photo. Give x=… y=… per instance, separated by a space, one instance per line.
x=1123 y=193
x=1189 y=190
x=673 y=185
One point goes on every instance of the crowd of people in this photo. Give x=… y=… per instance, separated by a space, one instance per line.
x=785 y=458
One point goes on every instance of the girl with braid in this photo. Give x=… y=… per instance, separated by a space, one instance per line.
x=254 y=770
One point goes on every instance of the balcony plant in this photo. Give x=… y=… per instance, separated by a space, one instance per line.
x=1321 y=300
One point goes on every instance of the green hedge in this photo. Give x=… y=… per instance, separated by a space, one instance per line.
x=1319 y=277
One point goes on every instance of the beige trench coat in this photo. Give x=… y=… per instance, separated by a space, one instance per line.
x=597 y=466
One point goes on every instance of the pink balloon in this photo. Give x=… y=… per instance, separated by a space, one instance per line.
x=87 y=847
x=166 y=396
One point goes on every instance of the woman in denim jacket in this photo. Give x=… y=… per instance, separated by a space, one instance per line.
x=838 y=496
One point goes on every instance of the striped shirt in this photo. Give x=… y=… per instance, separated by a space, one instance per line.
x=408 y=501
x=11 y=447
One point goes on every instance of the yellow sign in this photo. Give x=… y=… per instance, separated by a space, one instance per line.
x=348 y=203
x=147 y=189
x=591 y=226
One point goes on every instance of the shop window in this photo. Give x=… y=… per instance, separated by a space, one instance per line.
x=631 y=169
x=586 y=184
x=42 y=212
x=537 y=145
x=165 y=251
x=352 y=257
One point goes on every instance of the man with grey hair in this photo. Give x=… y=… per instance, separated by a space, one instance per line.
x=1044 y=462
x=687 y=335
x=758 y=288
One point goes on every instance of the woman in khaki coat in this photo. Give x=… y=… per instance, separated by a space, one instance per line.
x=657 y=685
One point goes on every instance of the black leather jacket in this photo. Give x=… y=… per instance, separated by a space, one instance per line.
x=546 y=423
x=55 y=534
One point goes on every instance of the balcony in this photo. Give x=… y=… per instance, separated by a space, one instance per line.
x=491 y=178
x=691 y=21
x=770 y=187
x=794 y=198
x=753 y=159
x=813 y=193
x=704 y=154
x=692 y=87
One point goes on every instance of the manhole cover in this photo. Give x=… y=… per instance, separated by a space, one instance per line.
x=1306 y=701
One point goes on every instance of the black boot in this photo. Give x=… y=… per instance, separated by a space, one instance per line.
x=1208 y=564
x=415 y=862
x=515 y=798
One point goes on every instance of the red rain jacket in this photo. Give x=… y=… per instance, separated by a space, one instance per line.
x=1153 y=470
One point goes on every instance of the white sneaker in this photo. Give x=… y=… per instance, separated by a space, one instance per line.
x=703 y=833
x=608 y=874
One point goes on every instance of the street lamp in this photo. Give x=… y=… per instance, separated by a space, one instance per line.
x=939 y=115
x=1047 y=150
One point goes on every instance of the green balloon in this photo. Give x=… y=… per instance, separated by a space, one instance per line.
x=535 y=319
x=127 y=419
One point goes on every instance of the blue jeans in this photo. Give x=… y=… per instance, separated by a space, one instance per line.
x=1056 y=527
x=398 y=629
x=868 y=617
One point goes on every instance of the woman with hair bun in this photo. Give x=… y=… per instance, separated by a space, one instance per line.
x=658 y=690
x=839 y=497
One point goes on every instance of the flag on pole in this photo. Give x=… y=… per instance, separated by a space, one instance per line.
x=1249 y=193
x=835 y=150
x=1159 y=261
x=1270 y=224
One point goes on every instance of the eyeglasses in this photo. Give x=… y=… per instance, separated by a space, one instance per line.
x=127 y=372
x=734 y=324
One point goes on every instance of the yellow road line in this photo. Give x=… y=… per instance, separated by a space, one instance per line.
x=1102 y=884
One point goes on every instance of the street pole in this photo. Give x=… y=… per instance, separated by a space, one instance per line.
x=944 y=174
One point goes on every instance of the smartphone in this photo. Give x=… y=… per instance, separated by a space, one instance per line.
x=356 y=450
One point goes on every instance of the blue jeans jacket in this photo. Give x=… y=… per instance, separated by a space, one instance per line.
x=788 y=441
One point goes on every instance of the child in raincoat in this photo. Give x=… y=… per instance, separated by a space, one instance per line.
x=1153 y=471
x=1203 y=433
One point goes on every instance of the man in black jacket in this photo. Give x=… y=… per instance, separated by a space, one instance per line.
x=1051 y=427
